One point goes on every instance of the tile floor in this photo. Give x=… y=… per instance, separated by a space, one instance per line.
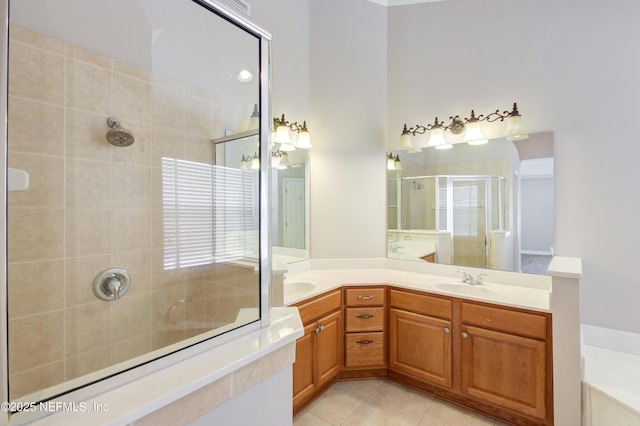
x=382 y=402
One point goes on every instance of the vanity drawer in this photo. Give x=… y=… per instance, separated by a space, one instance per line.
x=364 y=296
x=364 y=349
x=319 y=306
x=421 y=304
x=499 y=319
x=364 y=319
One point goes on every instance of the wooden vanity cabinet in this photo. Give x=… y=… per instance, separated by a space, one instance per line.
x=364 y=326
x=506 y=358
x=319 y=351
x=494 y=359
x=420 y=337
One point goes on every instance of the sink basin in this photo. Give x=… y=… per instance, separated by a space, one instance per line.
x=298 y=287
x=463 y=288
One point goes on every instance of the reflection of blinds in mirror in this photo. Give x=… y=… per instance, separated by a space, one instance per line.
x=209 y=213
x=442 y=203
x=465 y=210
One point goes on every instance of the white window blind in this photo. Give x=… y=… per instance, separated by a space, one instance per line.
x=465 y=210
x=209 y=213
x=236 y=213
x=443 y=205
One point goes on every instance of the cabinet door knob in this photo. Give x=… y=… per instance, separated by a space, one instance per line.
x=464 y=335
x=364 y=342
x=365 y=297
x=319 y=329
x=364 y=316
x=446 y=330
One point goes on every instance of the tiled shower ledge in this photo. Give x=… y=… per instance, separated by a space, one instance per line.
x=134 y=400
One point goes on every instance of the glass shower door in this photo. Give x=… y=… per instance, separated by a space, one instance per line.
x=469 y=222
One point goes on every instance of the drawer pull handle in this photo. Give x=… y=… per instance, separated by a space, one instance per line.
x=364 y=342
x=364 y=316
x=365 y=297
x=464 y=335
x=446 y=330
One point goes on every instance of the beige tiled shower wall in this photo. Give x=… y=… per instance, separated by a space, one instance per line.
x=91 y=206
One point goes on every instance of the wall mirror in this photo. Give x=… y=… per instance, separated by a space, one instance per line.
x=120 y=132
x=487 y=206
x=290 y=205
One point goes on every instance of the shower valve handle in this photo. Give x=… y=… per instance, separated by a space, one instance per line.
x=114 y=285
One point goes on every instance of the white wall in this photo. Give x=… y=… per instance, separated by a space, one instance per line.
x=569 y=66
x=349 y=112
x=536 y=222
x=288 y=23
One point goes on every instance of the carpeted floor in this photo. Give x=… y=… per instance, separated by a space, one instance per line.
x=535 y=263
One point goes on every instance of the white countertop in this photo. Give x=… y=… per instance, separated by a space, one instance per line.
x=528 y=297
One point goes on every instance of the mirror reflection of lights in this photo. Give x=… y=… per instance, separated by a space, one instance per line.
x=245 y=76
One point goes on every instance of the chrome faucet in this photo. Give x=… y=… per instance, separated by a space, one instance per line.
x=468 y=278
x=478 y=279
x=395 y=248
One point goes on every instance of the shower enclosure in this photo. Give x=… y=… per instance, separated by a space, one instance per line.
x=139 y=234
x=456 y=212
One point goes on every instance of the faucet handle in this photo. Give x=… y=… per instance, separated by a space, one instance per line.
x=478 y=280
x=466 y=278
x=114 y=285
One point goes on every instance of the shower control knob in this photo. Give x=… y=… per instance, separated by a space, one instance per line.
x=111 y=284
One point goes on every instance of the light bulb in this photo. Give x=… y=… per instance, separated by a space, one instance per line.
x=437 y=137
x=397 y=163
x=473 y=134
x=405 y=139
x=282 y=135
x=254 y=118
x=304 y=140
x=515 y=129
x=444 y=146
x=391 y=164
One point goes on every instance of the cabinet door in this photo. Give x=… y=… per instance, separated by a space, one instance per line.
x=304 y=383
x=505 y=370
x=420 y=346
x=328 y=347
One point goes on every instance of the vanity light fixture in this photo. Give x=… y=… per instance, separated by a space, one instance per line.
x=254 y=164
x=397 y=163
x=284 y=161
x=393 y=163
x=245 y=163
x=254 y=118
x=282 y=128
x=276 y=158
x=470 y=126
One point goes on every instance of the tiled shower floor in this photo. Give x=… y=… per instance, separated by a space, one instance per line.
x=382 y=402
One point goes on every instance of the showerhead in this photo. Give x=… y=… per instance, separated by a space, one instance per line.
x=118 y=135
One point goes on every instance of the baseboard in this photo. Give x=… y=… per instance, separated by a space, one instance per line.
x=539 y=253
